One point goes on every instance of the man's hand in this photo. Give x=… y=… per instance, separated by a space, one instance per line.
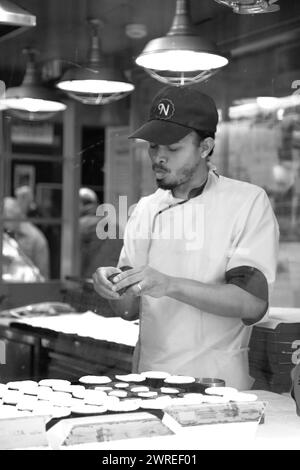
x=101 y=283
x=142 y=280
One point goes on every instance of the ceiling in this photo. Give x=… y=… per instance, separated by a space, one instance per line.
x=62 y=35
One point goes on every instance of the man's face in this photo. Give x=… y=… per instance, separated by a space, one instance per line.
x=11 y=211
x=177 y=164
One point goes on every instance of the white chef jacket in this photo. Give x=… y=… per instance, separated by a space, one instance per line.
x=230 y=224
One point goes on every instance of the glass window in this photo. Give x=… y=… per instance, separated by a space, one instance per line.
x=32 y=200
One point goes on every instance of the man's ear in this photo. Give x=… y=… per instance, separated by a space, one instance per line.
x=206 y=146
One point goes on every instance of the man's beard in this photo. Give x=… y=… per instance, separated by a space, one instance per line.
x=186 y=175
x=166 y=185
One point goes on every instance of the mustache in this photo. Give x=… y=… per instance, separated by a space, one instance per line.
x=156 y=167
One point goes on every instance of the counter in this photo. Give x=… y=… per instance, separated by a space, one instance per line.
x=280 y=430
x=66 y=346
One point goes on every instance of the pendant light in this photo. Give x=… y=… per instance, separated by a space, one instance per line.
x=182 y=56
x=14 y=20
x=95 y=82
x=251 y=7
x=32 y=101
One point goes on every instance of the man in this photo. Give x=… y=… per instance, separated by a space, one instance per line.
x=197 y=291
x=93 y=252
x=25 y=199
x=30 y=239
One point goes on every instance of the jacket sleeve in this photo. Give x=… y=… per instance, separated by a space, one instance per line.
x=256 y=238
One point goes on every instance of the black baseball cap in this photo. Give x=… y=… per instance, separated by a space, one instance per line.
x=175 y=112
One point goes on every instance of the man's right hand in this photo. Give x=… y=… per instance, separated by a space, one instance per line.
x=101 y=283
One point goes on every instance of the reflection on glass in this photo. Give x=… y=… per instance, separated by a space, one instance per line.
x=17 y=267
x=264 y=148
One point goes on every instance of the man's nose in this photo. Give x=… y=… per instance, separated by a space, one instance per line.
x=160 y=155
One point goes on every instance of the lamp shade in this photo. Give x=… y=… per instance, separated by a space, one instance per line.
x=251 y=7
x=31 y=100
x=182 y=56
x=14 y=20
x=95 y=82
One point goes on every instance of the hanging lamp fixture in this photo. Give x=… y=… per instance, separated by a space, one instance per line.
x=32 y=101
x=182 y=56
x=14 y=20
x=95 y=82
x=251 y=7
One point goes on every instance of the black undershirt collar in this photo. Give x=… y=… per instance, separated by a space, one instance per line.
x=197 y=191
x=194 y=192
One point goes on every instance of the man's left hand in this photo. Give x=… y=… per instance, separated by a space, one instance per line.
x=142 y=281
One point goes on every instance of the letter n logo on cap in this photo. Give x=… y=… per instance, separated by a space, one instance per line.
x=165 y=109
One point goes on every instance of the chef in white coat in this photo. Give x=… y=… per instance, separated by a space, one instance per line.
x=203 y=249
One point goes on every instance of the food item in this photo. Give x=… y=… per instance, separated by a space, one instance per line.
x=12 y=397
x=193 y=398
x=94 y=397
x=155 y=374
x=155 y=378
x=88 y=409
x=179 y=379
x=21 y=384
x=8 y=411
x=131 y=378
x=220 y=391
x=138 y=389
x=27 y=403
x=77 y=402
x=147 y=394
x=111 y=399
x=95 y=379
x=78 y=391
x=242 y=397
x=3 y=389
x=121 y=385
x=42 y=408
x=61 y=399
x=44 y=393
x=184 y=382
x=169 y=390
x=60 y=412
x=118 y=393
x=112 y=276
x=156 y=403
x=13 y=385
x=103 y=389
x=124 y=406
x=62 y=388
x=29 y=390
x=54 y=382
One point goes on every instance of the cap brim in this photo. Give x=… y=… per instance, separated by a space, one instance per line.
x=161 y=132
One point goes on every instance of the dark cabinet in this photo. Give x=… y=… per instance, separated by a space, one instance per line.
x=32 y=353
x=71 y=358
x=19 y=352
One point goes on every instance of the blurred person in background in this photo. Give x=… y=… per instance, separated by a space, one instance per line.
x=94 y=251
x=30 y=239
x=25 y=198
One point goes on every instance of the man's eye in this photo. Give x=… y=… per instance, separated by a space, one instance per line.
x=172 y=149
x=153 y=146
